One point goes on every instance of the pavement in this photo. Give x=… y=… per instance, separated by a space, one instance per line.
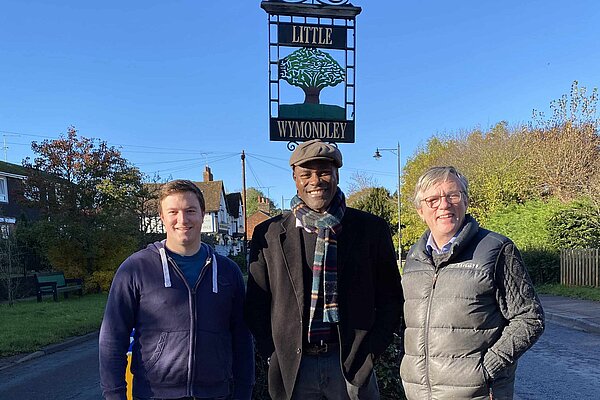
x=583 y=315
x=7 y=362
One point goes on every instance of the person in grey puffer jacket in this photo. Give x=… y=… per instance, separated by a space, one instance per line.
x=470 y=307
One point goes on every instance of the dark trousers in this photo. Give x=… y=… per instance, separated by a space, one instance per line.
x=320 y=377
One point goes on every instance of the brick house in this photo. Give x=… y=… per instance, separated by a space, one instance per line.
x=262 y=214
x=12 y=196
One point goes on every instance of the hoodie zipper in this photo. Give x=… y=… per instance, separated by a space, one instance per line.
x=192 y=308
x=192 y=357
x=434 y=280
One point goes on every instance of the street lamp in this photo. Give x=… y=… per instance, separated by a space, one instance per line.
x=377 y=156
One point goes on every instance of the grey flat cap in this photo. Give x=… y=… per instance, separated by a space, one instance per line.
x=316 y=150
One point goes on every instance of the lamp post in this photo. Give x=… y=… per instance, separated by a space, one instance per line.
x=377 y=156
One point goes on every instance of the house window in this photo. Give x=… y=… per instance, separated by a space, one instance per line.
x=6 y=226
x=3 y=190
x=4 y=231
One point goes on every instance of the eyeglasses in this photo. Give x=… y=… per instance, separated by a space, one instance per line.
x=435 y=201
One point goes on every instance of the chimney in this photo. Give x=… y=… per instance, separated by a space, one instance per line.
x=264 y=204
x=208 y=176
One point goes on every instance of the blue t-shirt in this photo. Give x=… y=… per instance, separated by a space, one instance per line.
x=191 y=265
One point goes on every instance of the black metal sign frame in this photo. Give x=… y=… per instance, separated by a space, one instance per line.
x=312 y=25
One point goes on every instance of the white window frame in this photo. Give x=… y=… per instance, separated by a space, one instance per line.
x=3 y=189
x=6 y=226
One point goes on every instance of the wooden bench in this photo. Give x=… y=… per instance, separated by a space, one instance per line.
x=55 y=283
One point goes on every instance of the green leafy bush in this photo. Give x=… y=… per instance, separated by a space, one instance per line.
x=527 y=225
x=240 y=260
x=387 y=369
x=575 y=226
x=99 y=281
x=543 y=264
x=261 y=389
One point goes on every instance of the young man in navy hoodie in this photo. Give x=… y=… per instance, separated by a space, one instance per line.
x=185 y=303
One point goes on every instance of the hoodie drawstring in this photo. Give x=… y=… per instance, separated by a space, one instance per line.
x=214 y=274
x=167 y=275
x=165 y=266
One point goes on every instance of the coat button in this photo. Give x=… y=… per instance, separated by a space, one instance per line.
x=298 y=350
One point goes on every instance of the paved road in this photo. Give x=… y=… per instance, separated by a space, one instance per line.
x=563 y=365
x=70 y=374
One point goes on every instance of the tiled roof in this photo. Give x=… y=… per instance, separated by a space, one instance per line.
x=233 y=204
x=13 y=169
x=212 y=194
x=17 y=169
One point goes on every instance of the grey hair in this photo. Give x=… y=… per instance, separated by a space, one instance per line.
x=435 y=175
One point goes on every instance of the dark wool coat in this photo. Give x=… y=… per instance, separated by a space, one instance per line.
x=470 y=314
x=369 y=296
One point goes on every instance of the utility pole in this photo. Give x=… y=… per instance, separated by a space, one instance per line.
x=244 y=208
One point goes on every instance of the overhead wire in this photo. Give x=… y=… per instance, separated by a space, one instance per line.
x=123 y=145
x=158 y=166
x=204 y=157
x=253 y=173
x=195 y=164
x=255 y=156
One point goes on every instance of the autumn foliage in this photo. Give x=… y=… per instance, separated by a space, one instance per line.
x=552 y=158
x=87 y=193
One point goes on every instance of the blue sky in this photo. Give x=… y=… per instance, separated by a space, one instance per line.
x=182 y=84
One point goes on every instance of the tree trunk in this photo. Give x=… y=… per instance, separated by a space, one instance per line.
x=311 y=95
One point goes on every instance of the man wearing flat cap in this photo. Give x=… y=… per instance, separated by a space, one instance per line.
x=324 y=294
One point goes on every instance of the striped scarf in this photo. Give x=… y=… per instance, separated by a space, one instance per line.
x=328 y=226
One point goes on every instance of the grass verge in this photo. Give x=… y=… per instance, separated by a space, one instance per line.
x=28 y=326
x=577 y=292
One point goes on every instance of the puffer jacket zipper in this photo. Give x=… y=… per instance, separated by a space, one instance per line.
x=433 y=281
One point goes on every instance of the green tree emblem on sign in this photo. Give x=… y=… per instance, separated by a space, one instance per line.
x=311 y=70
